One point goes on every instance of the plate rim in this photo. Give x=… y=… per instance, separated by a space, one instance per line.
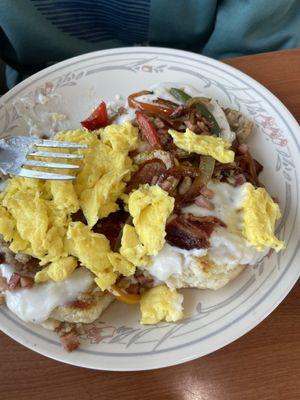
x=236 y=72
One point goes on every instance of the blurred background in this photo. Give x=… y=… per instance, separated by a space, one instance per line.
x=37 y=33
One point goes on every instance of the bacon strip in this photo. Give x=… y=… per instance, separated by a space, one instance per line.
x=189 y=232
x=206 y=223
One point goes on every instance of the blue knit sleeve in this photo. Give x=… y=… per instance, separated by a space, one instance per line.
x=38 y=33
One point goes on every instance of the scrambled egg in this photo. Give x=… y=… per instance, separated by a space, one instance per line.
x=121 y=264
x=35 y=215
x=93 y=251
x=105 y=169
x=150 y=206
x=64 y=195
x=260 y=214
x=160 y=303
x=57 y=271
x=206 y=145
x=132 y=248
x=33 y=224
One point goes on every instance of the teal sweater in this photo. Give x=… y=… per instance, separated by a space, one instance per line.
x=38 y=33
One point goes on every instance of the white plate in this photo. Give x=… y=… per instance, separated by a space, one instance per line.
x=117 y=341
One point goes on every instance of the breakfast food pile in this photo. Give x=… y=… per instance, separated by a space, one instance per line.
x=167 y=196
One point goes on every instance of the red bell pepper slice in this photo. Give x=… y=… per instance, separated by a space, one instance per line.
x=98 y=118
x=151 y=107
x=148 y=130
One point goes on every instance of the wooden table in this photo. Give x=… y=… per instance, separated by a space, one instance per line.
x=264 y=364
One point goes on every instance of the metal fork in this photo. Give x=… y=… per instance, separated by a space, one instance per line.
x=14 y=151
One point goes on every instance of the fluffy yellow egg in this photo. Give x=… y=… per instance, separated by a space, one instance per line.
x=105 y=169
x=131 y=247
x=64 y=195
x=260 y=215
x=39 y=225
x=121 y=138
x=36 y=214
x=150 y=206
x=89 y=247
x=7 y=224
x=206 y=145
x=105 y=279
x=57 y=270
x=160 y=303
x=120 y=264
x=93 y=251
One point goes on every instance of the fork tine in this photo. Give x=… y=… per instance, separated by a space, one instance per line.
x=62 y=145
x=35 y=163
x=49 y=154
x=28 y=173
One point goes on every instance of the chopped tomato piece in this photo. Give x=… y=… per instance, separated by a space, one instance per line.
x=98 y=118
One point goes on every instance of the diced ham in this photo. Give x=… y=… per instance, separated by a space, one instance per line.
x=191 y=126
x=154 y=180
x=122 y=110
x=206 y=192
x=169 y=184
x=144 y=281
x=190 y=195
x=26 y=282
x=203 y=127
x=14 y=281
x=240 y=180
x=203 y=202
x=133 y=288
x=185 y=185
x=166 y=185
x=242 y=148
x=178 y=112
x=70 y=341
x=3 y=284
